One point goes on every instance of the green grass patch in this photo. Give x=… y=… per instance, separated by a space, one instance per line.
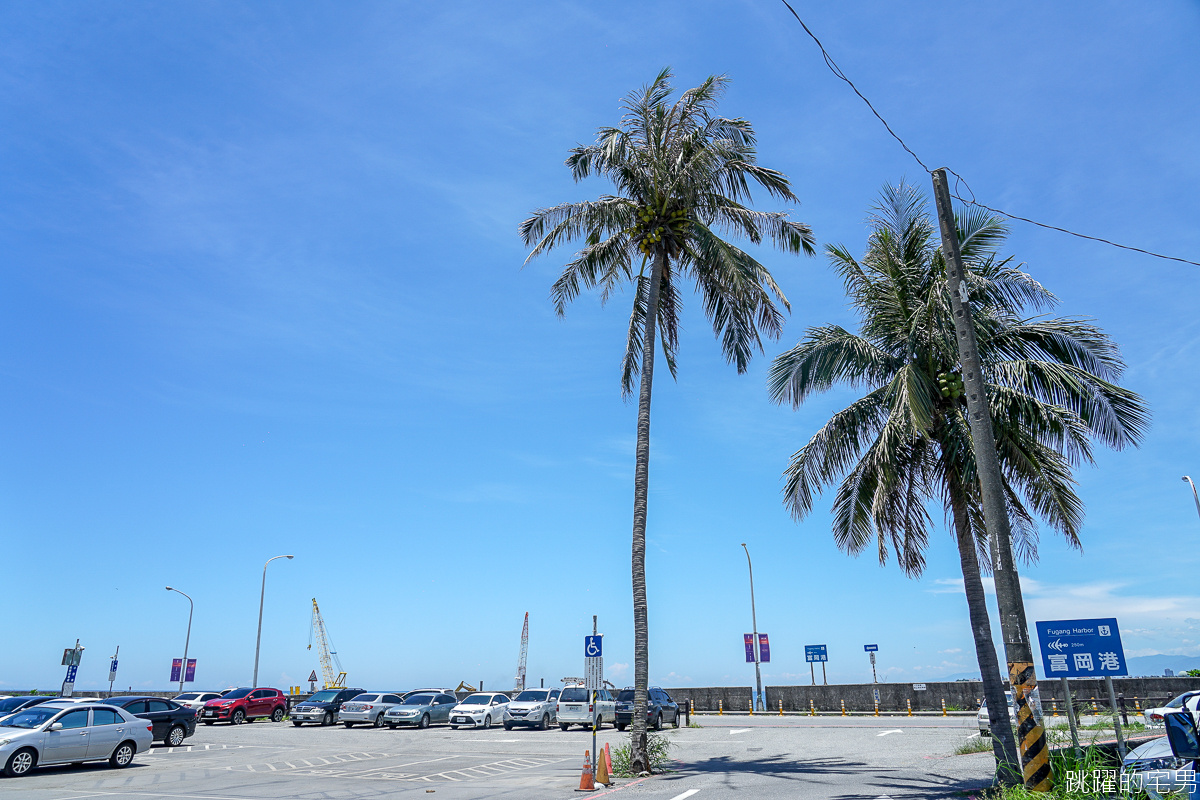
x=976 y=744
x=658 y=748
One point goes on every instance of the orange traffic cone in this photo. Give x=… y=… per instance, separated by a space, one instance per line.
x=608 y=759
x=586 y=782
x=602 y=776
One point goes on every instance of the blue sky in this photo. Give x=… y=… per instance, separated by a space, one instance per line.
x=263 y=293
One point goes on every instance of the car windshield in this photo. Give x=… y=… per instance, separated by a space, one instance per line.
x=574 y=694
x=236 y=693
x=9 y=703
x=29 y=718
x=625 y=696
x=324 y=696
x=531 y=697
x=419 y=700
x=477 y=700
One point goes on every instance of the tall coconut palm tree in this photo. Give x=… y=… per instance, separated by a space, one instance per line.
x=1051 y=384
x=682 y=176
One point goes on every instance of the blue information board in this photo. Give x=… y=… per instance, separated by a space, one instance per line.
x=593 y=646
x=871 y=648
x=815 y=652
x=1081 y=648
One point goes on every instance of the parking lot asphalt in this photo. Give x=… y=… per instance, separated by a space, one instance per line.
x=761 y=757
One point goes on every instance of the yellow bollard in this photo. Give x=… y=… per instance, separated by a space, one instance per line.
x=752 y=706
x=877 y=709
x=812 y=710
x=1054 y=703
x=909 y=707
x=944 y=707
x=720 y=708
x=843 y=708
x=781 y=708
x=1095 y=709
x=1137 y=704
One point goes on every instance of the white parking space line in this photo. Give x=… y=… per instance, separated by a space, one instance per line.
x=739 y=730
x=885 y=733
x=686 y=794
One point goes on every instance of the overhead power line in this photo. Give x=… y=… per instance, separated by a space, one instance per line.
x=837 y=71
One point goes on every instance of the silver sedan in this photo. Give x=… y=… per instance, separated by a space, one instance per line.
x=368 y=707
x=62 y=733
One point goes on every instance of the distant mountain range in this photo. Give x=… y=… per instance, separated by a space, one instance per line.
x=1139 y=666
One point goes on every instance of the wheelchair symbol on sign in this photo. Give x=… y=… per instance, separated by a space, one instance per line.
x=593 y=646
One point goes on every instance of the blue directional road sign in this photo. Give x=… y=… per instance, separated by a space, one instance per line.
x=593 y=646
x=815 y=652
x=1081 y=648
x=871 y=648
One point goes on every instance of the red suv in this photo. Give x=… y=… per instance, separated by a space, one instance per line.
x=239 y=705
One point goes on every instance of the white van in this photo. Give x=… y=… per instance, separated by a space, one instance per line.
x=576 y=707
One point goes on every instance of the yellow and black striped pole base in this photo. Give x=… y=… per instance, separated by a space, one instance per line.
x=1031 y=736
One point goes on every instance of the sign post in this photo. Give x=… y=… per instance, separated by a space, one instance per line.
x=812 y=654
x=593 y=670
x=1084 y=648
x=71 y=658
x=871 y=649
x=112 y=671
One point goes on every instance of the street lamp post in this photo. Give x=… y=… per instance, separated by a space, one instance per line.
x=754 y=624
x=187 y=641
x=1195 y=496
x=261 y=596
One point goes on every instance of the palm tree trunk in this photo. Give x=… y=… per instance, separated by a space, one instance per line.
x=1004 y=745
x=639 y=758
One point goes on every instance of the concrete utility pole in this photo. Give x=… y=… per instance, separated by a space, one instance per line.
x=754 y=641
x=1031 y=737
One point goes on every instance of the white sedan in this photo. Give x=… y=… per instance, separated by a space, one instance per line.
x=480 y=710
x=1154 y=716
x=195 y=700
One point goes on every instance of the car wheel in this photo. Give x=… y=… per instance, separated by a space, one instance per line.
x=564 y=726
x=453 y=727
x=508 y=726
x=424 y=723
x=123 y=755
x=658 y=722
x=621 y=726
x=348 y=724
x=238 y=717
x=176 y=736
x=487 y=722
x=277 y=715
x=295 y=723
x=545 y=723
x=675 y=722
x=206 y=722
x=327 y=719
x=20 y=763
x=379 y=721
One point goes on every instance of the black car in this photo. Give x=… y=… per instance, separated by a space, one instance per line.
x=322 y=708
x=659 y=708
x=172 y=722
x=10 y=705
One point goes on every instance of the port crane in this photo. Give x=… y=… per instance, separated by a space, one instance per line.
x=325 y=653
x=519 y=681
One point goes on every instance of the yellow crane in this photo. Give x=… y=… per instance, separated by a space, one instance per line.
x=324 y=653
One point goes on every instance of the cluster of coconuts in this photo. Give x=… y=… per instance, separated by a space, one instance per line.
x=950 y=384
x=652 y=227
